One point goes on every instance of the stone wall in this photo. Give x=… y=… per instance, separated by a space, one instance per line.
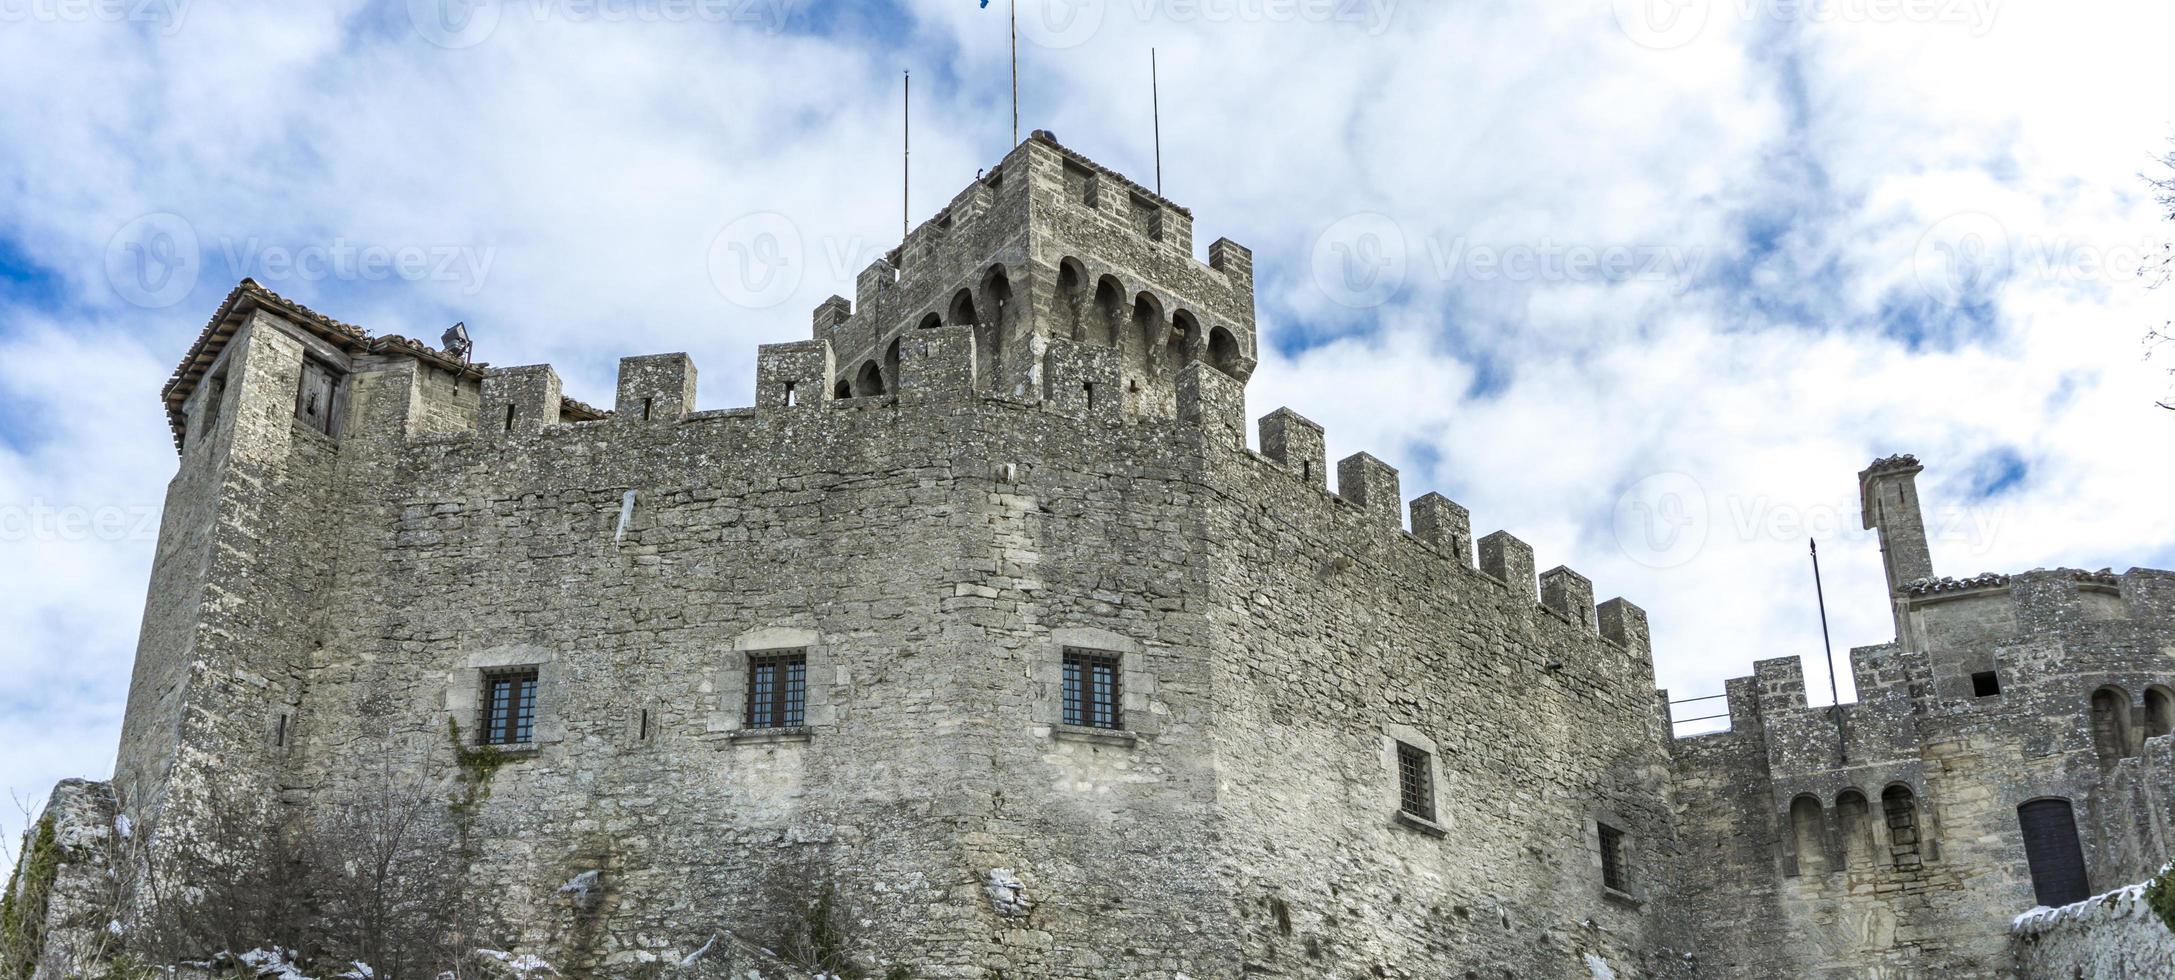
x=60 y=909
x=2113 y=936
x=933 y=554
x=1791 y=801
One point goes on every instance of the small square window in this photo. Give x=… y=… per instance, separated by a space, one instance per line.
x=778 y=689
x=1092 y=689
x=1985 y=684
x=509 y=707
x=1415 y=782
x=1612 y=859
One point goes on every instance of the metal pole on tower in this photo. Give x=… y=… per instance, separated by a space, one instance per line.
x=906 y=158
x=1015 y=72
x=1155 y=105
x=1835 y=698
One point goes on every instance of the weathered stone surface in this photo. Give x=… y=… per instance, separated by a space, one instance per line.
x=2110 y=935
x=1343 y=749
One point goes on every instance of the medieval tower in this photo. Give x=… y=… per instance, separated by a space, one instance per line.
x=985 y=623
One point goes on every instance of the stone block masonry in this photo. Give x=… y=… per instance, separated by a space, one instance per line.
x=984 y=626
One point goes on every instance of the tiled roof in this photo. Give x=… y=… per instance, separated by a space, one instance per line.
x=249 y=296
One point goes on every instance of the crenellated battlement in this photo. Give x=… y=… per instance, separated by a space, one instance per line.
x=1049 y=246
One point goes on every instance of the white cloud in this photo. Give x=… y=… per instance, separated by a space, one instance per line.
x=1793 y=180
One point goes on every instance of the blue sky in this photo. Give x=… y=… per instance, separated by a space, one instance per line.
x=1566 y=263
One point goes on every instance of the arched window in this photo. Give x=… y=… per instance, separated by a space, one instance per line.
x=1900 y=808
x=989 y=337
x=869 y=381
x=843 y=389
x=962 y=310
x=1181 y=343
x=1223 y=351
x=891 y=362
x=2052 y=851
x=1140 y=340
x=2159 y=711
x=1854 y=817
x=2110 y=714
x=930 y=322
x=1109 y=318
x=1072 y=298
x=1806 y=835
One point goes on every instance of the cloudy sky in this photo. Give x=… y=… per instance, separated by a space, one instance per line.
x=1643 y=282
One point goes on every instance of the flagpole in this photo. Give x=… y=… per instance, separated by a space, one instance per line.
x=1015 y=72
x=1155 y=105
x=906 y=159
x=1835 y=697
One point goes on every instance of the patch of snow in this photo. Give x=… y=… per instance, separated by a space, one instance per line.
x=2121 y=903
x=700 y=953
x=123 y=827
x=272 y=964
x=583 y=887
x=523 y=964
x=1599 y=968
x=357 y=970
x=1007 y=893
x=113 y=926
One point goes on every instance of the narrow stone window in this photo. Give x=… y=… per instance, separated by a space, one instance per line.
x=646 y=403
x=2053 y=853
x=789 y=394
x=1985 y=684
x=215 y=394
x=1415 y=782
x=1854 y=816
x=1612 y=859
x=509 y=418
x=509 y=707
x=1901 y=809
x=778 y=689
x=2159 y=711
x=2110 y=721
x=1092 y=690
x=313 y=402
x=1808 y=836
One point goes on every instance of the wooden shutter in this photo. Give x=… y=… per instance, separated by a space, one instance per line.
x=2051 y=848
x=313 y=403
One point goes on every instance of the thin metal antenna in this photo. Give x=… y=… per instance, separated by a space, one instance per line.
x=1835 y=697
x=906 y=160
x=1015 y=72
x=1155 y=104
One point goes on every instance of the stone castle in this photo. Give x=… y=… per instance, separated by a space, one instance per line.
x=985 y=622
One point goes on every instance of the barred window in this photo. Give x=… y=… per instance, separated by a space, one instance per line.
x=1415 y=782
x=509 y=707
x=1612 y=858
x=1092 y=690
x=778 y=689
